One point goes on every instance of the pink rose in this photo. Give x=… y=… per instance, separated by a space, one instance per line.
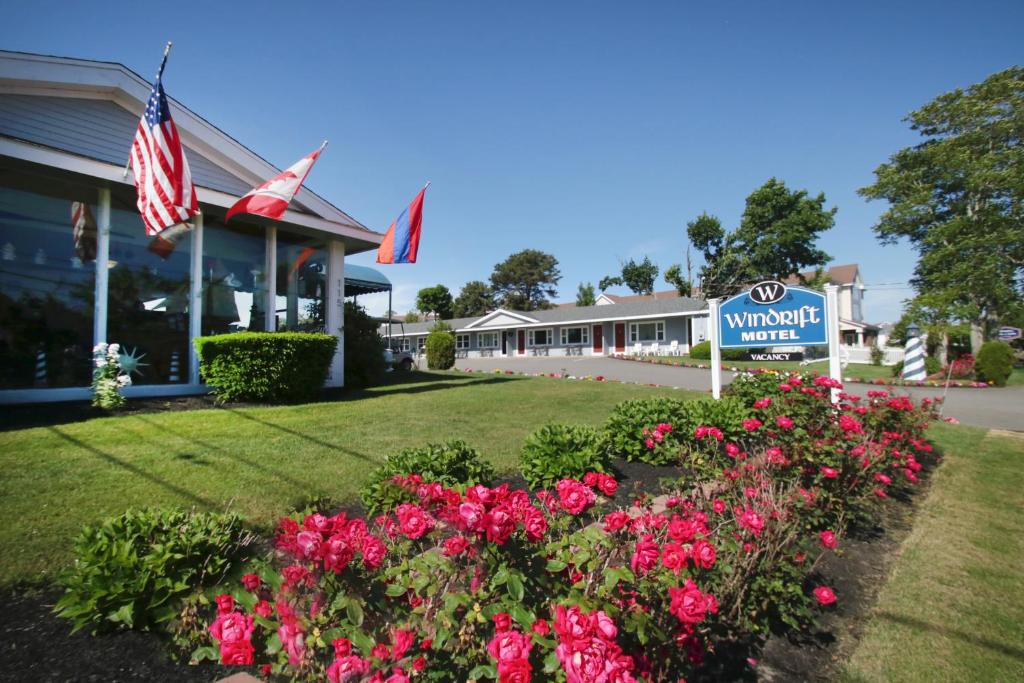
x=225 y=604
x=534 y=524
x=752 y=424
x=264 y=609
x=784 y=422
x=829 y=472
x=824 y=595
x=689 y=605
x=347 y=669
x=574 y=496
x=374 y=552
x=829 y=540
x=718 y=506
x=703 y=554
x=401 y=639
x=293 y=640
x=473 y=516
x=509 y=645
x=455 y=545
x=502 y=621
x=232 y=627
x=607 y=485
x=604 y=625
x=614 y=521
x=572 y=626
x=541 y=627
x=308 y=544
x=673 y=557
x=251 y=582
x=413 y=521
x=500 y=524
x=645 y=557
x=514 y=671
x=751 y=521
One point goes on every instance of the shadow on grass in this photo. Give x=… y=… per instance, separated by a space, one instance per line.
x=947 y=632
x=148 y=476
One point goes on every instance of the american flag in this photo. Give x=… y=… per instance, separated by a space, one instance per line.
x=162 y=177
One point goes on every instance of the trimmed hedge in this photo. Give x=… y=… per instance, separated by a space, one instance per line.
x=440 y=348
x=702 y=351
x=560 y=451
x=267 y=367
x=994 y=362
x=453 y=463
x=625 y=427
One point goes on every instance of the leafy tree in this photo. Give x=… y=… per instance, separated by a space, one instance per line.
x=674 y=276
x=775 y=239
x=609 y=281
x=412 y=317
x=526 y=280
x=436 y=300
x=474 y=299
x=585 y=295
x=639 y=277
x=958 y=197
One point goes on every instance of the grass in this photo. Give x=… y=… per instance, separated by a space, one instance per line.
x=260 y=462
x=953 y=609
x=853 y=370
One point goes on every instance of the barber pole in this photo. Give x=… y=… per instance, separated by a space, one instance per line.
x=41 y=368
x=173 y=376
x=913 y=359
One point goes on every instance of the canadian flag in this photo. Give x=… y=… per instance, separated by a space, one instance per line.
x=272 y=197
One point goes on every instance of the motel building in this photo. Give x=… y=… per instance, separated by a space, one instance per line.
x=76 y=265
x=655 y=327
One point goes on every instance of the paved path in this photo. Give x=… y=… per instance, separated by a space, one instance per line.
x=993 y=408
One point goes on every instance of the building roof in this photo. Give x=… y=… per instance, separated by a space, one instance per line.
x=578 y=314
x=838 y=275
x=627 y=298
x=81 y=115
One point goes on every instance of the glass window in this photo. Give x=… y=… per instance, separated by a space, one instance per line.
x=148 y=295
x=405 y=344
x=421 y=343
x=647 y=332
x=47 y=280
x=575 y=336
x=301 y=283
x=540 y=338
x=462 y=341
x=488 y=340
x=234 y=279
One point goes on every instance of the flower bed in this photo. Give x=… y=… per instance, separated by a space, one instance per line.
x=933 y=382
x=497 y=583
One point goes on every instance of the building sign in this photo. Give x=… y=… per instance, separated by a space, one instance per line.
x=1009 y=333
x=772 y=314
x=773 y=356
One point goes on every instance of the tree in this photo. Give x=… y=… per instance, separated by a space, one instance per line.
x=674 y=276
x=436 y=300
x=609 y=281
x=474 y=299
x=526 y=280
x=585 y=295
x=775 y=239
x=958 y=197
x=639 y=277
x=412 y=317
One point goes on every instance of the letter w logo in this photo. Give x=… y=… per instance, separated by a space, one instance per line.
x=767 y=292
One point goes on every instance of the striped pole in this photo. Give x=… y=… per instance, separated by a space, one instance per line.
x=41 y=367
x=913 y=358
x=173 y=376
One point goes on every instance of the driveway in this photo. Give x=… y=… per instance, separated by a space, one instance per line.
x=992 y=408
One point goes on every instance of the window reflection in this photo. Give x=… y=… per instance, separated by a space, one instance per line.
x=234 y=279
x=301 y=282
x=47 y=281
x=148 y=296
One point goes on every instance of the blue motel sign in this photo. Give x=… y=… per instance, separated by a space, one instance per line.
x=772 y=314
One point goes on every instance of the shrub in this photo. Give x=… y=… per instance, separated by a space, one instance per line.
x=561 y=451
x=877 y=354
x=702 y=351
x=364 y=348
x=440 y=348
x=132 y=571
x=626 y=426
x=994 y=363
x=267 y=367
x=453 y=463
x=962 y=367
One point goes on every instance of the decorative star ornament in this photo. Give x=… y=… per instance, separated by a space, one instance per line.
x=130 y=362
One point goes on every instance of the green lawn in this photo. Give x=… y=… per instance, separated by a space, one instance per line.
x=953 y=609
x=260 y=461
x=852 y=370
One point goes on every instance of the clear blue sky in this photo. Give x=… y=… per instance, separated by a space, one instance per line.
x=590 y=130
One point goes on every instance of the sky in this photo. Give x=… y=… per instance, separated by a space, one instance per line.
x=590 y=130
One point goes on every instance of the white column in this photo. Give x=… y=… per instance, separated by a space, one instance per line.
x=832 y=322
x=716 y=353
x=270 y=317
x=195 y=303
x=334 y=310
x=99 y=314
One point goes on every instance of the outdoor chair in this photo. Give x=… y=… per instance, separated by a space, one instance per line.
x=653 y=351
x=673 y=348
x=638 y=349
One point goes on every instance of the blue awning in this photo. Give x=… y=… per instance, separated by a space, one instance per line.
x=364 y=280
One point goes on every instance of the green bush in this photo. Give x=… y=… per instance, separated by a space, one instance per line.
x=453 y=463
x=364 y=348
x=994 y=362
x=134 y=570
x=267 y=367
x=561 y=451
x=727 y=414
x=877 y=354
x=931 y=367
x=624 y=430
x=702 y=351
x=440 y=348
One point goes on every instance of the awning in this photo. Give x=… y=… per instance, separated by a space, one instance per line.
x=364 y=280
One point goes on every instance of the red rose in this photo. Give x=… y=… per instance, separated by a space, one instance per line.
x=574 y=496
x=752 y=424
x=614 y=521
x=473 y=516
x=514 y=671
x=541 y=627
x=455 y=545
x=534 y=524
x=703 y=554
x=718 y=506
x=342 y=647
x=674 y=557
x=380 y=651
x=824 y=595
x=402 y=640
x=500 y=524
x=751 y=521
x=413 y=521
x=502 y=621
x=225 y=604
x=573 y=628
x=509 y=645
x=308 y=544
x=232 y=627
x=607 y=485
x=419 y=664
x=645 y=557
x=784 y=422
x=829 y=473
x=828 y=540
x=590 y=479
x=264 y=609
x=374 y=552
x=347 y=669
x=251 y=582
x=238 y=652
x=689 y=605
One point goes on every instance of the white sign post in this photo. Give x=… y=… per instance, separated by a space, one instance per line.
x=835 y=370
x=716 y=352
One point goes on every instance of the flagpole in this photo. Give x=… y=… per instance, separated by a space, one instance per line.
x=159 y=73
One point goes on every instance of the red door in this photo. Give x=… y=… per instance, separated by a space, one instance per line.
x=521 y=342
x=598 y=333
x=620 y=337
